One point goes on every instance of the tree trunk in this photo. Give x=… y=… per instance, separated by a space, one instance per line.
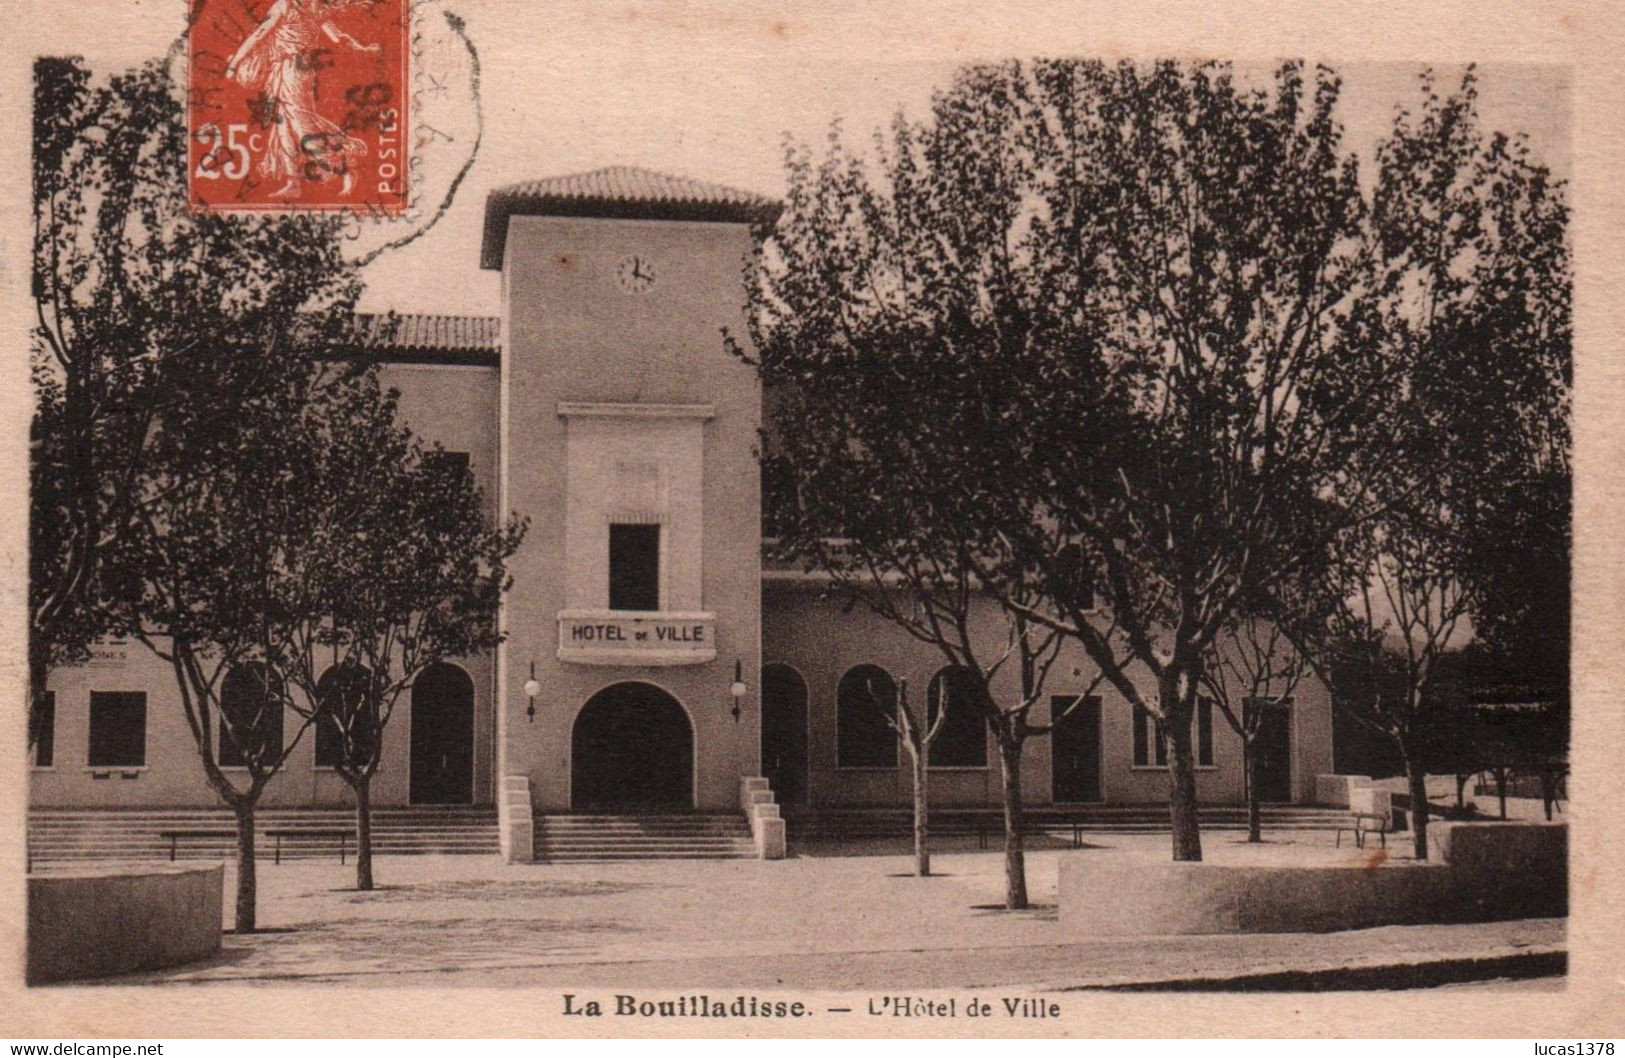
x=246 y=889
x=922 y=854
x=1548 y=792
x=1176 y=731
x=363 y=832
x=1255 y=821
x=1501 y=789
x=1417 y=775
x=1015 y=857
x=1182 y=792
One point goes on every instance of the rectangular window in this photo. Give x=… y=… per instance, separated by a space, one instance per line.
x=1204 y=732
x=634 y=567
x=962 y=742
x=44 y=719
x=118 y=729
x=1149 y=745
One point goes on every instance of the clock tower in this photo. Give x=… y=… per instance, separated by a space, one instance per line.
x=628 y=439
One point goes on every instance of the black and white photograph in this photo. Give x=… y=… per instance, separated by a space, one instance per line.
x=679 y=519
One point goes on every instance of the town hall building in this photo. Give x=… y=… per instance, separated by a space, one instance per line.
x=653 y=659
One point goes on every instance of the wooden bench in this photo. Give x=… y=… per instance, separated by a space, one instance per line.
x=342 y=836
x=175 y=836
x=1361 y=824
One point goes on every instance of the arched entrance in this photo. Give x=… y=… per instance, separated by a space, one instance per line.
x=784 y=733
x=442 y=737
x=632 y=750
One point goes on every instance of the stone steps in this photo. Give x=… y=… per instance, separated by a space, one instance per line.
x=847 y=824
x=82 y=835
x=610 y=838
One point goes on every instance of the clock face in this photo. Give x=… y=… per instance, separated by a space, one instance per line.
x=636 y=273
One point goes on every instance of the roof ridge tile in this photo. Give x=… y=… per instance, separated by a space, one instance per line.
x=621 y=192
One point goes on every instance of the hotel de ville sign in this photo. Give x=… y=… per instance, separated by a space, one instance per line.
x=618 y=637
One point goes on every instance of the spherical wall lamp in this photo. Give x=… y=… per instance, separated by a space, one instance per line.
x=532 y=689
x=738 y=689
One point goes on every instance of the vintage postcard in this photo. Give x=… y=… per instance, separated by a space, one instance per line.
x=812 y=520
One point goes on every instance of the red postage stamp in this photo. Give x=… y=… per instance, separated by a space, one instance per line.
x=298 y=105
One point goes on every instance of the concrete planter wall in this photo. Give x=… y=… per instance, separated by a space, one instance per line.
x=1506 y=870
x=1483 y=872
x=85 y=924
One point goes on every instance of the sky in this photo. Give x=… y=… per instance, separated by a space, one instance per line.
x=569 y=86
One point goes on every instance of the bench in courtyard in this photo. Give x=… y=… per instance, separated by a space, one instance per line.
x=341 y=836
x=176 y=836
x=1361 y=824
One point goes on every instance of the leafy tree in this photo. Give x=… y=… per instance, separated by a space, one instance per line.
x=884 y=387
x=241 y=504
x=1096 y=310
x=1466 y=288
x=1201 y=240
x=166 y=362
x=1130 y=350
x=129 y=288
x=409 y=573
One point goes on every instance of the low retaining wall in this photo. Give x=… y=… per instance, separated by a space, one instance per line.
x=1507 y=870
x=94 y=923
x=1483 y=872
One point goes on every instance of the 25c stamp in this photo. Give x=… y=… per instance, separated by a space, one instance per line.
x=298 y=105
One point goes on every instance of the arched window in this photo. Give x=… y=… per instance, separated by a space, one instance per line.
x=962 y=742
x=251 y=717
x=865 y=699
x=341 y=694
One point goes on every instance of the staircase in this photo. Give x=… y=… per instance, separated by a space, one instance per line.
x=89 y=834
x=610 y=838
x=857 y=823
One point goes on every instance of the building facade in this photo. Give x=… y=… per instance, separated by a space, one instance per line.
x=652 y=657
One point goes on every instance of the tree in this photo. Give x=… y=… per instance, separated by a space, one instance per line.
x=1466 y=288
x=66 y=617
x=880 y=363
x=903 y=532
x=409 y=573
x=1191 y=249
x=1395 y=630
x=917 y=733
x=88 y=376
x=1123 y=341
x=217 y=579
x=1106 y=298
x=1252 y=668
x=129 y=286
x=166 y=348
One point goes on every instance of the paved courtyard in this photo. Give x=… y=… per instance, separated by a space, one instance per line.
x=810 y=922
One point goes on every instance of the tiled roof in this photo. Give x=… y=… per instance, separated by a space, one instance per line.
x=620 y=191
x=414 y=331
x=422 y=338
